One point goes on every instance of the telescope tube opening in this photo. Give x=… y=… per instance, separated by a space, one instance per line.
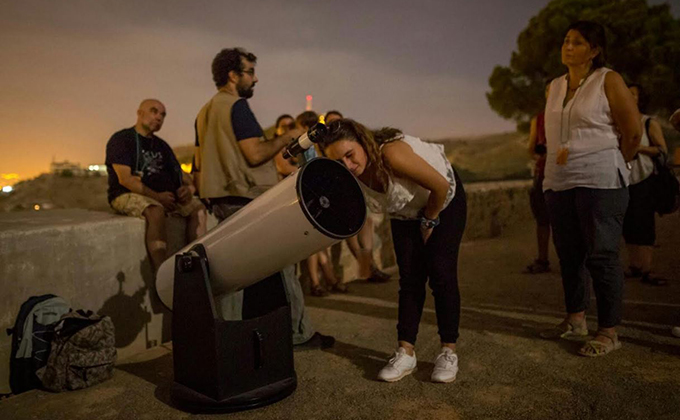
x=331 y=198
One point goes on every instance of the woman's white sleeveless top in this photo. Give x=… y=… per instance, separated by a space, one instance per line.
x=584 y=125
x=404 y=198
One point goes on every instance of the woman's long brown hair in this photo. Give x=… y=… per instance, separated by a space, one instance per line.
x=371 y=141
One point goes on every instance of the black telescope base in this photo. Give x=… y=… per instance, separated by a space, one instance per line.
x=229 y=365
x=195 y=402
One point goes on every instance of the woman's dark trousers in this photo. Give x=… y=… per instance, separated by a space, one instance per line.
x=587 y=225
x=438 y=260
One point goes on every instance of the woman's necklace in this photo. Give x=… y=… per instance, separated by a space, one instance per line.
x=563 y=151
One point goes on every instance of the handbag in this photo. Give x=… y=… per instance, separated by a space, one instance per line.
x=665 y=187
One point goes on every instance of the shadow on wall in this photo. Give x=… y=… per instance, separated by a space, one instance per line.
x=131 y=314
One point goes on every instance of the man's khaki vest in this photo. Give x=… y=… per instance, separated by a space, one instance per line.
x=222 y=170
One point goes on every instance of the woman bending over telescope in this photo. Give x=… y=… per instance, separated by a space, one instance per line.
x=415 y=184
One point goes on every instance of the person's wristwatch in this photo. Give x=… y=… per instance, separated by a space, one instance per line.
x=426 y=223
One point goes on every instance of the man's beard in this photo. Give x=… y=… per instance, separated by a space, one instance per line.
x=245 y=91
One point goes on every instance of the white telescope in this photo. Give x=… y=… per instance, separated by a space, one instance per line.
x=320 y=204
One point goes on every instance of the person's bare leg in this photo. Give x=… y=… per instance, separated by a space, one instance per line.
x=634 y=256
x=543 y=240
x=576 y=318
x=362 y=255
x=410 y=348
x=327 y=268
x=156 y=239
x=366 y=234
x=197 y=224
x=452 y=346
x=645 y=254
x=313 y=267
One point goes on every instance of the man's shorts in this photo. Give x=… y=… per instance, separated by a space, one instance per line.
x=132 y=204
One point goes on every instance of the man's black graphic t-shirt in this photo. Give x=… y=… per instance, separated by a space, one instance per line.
x=148 y=157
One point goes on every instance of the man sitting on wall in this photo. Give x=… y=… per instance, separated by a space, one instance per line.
x=146 y=180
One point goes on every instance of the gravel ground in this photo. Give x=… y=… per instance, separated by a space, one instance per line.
x=506 y=372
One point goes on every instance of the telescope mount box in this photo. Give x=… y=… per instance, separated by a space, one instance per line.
x=226 y=366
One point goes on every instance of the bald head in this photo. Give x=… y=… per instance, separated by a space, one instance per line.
x=150 y=116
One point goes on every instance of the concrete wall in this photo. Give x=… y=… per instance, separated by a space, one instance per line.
x=94 y=260
x=98 y=261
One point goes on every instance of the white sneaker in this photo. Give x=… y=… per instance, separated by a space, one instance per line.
x=445 y=366
x=400 y=365
x=676 y=331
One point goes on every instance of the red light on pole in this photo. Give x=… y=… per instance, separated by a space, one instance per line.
x=309 y=103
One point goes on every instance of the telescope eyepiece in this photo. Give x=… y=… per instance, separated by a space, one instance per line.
x=313 y=135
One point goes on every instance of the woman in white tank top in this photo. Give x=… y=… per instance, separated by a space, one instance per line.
x=639 y=230
x=414 y=183
x=592 y=130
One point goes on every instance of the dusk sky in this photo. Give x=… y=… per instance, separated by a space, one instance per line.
x=74 y=72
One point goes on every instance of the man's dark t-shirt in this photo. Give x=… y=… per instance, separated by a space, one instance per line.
x=243 y=122
x=155 y=163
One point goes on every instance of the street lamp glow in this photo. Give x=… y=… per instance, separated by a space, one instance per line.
x=7 y=189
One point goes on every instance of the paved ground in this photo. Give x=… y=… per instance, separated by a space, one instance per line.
x=505 y=371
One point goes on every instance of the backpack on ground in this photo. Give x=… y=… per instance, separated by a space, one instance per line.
x=31 y=339
x=83 y=352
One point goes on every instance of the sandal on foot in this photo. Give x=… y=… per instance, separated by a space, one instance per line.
x=594 y=348
x=537 y=267
x=339 y=288
x=378 y=276
x=566 y=330
x=318 y=291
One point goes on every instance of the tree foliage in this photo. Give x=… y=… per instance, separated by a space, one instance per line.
x=643 y=45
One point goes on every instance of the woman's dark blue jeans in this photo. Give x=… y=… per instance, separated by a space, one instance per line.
x=587 y=225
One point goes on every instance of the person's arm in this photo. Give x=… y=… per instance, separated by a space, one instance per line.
x=257 y=152
x=625 y=114
x=187 y=190
x=533 y=136
x=656 y=139
x=675 y=119
x=406 y=164
x=135 y=185
x=284 y=166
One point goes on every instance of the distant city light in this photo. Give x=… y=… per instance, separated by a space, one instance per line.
x=36 y=207
x=93 y=167
x=7 y=189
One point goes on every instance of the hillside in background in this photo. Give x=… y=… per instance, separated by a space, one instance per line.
x=57 y=192
x=477 y=159
x=489 y=158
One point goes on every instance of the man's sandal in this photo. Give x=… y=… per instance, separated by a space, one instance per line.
x=594 y=348
x=566 y=330
x=318 y=291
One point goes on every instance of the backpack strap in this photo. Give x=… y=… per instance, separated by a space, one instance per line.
x=648 y=121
